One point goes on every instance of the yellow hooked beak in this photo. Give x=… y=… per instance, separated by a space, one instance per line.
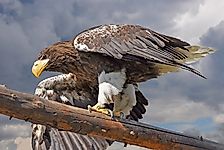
x=39 y=66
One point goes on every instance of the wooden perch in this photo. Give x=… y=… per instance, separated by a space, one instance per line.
x=40 y=111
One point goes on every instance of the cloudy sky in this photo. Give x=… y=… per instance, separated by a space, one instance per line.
x=179 y=101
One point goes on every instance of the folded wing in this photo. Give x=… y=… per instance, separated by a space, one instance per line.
x=136 y=43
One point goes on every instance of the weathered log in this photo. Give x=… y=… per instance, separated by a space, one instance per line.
x=31 y=108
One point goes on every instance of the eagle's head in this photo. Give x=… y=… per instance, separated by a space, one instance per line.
x=54 y=57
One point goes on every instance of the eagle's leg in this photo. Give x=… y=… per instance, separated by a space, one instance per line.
x=110 y=86
x=101 y=109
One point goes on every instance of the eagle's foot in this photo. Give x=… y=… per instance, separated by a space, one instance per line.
x=101 y=109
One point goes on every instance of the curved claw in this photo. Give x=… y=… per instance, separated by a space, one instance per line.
x=122 y=116
x=89 y=107
x=111 y=113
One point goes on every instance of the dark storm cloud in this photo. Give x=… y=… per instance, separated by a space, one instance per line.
x=28 y=26
x=156 y=14
x=214 y=38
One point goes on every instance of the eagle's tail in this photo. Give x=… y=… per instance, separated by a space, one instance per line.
x=195 y=53
x=192 y=53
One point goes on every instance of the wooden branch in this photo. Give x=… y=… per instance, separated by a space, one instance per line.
x=40 y=111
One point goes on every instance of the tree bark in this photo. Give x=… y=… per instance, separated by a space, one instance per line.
x=31 y=108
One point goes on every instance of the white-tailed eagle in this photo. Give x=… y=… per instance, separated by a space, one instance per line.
x=109 y=60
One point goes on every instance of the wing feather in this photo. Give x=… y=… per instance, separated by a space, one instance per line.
x=43 y=137
x=139 y=43
x=62 y=88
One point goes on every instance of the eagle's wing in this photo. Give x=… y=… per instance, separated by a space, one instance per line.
x=133 y=42
x=61 y=88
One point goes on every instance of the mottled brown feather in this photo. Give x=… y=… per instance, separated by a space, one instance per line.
x=144 y=53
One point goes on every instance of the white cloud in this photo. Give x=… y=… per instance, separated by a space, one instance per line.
x=23 y=143
x=8 y=144
x=18 y=143
x=191 y=26
x=15 y=130
x=219 y=118
x=177 y=109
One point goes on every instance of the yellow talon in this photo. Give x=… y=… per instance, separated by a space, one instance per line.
x=101 y=109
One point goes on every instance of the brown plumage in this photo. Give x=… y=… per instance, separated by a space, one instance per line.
x=141 y=51
x=144 y=53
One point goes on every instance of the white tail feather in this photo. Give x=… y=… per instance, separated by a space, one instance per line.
x=196 y=53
